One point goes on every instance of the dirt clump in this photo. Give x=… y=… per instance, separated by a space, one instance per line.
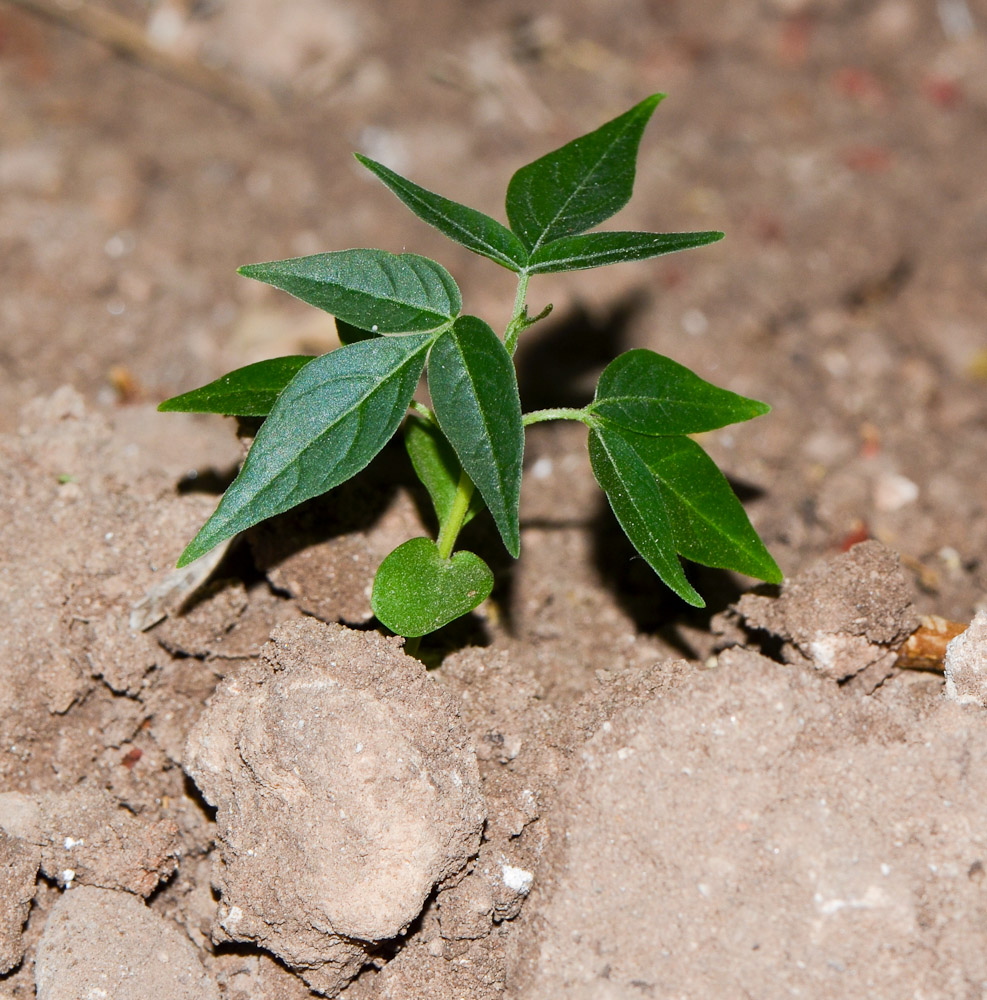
x=346 y=788
x=102 y=943
x=19 y=862
x=845 y=616
x=966 y=664
x=87 y=838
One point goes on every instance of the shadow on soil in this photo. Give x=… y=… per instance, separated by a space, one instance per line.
x=638 y=590
x=560 y=364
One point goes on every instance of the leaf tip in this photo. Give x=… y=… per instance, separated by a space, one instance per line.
x=684 y=590
x=199 y=546
x=648 y=105
x=772 y=571
x=190 y=554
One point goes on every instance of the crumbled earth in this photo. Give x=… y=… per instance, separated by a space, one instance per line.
x=965 y=664
x=753 y=799
x=19 y=862
x=87 y=838
x=847 y=616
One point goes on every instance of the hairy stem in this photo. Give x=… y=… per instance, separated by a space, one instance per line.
x=516 y=324
x=555 y=413
x=454 y=523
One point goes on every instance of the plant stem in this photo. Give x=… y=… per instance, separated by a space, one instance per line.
x=555 y=413
x=454 y=523
x=516 y=324
x=411 y=645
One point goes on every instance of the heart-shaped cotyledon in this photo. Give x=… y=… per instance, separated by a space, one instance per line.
x=417 y=591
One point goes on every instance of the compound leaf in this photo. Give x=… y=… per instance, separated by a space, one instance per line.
x=646 y=392
x=473 y=229
x=437 y=467
x=575 y=253
x=581 y=184
x=474 y=391
x=371 y=289
x=326 y=425
x=250 y=391
x=416 y=591
x=708 y=523
x=638 y=504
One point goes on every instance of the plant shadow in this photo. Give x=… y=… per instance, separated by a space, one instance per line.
x=640 y=593
x=354 y=506
x=559 y=364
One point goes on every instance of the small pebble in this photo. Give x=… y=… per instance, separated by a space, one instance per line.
x=893 y=491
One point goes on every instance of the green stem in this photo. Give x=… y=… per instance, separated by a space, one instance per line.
x=454 y=522
x=516 y=324
x=411 y=645
x=522 y=292
x=556 y=413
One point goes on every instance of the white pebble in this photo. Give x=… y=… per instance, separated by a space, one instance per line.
x=517 y=879
x=893 y=491
x=542 y=468
x=694 y=322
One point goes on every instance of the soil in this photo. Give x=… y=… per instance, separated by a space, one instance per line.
x=593 y=791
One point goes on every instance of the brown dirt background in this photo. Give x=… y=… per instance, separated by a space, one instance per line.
x=707 y=822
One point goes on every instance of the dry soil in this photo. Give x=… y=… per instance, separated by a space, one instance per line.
x=594 y=791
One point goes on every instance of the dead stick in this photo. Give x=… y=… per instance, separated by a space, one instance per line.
x=925 y=648
x=129 y=40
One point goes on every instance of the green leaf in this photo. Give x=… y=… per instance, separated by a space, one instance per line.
x=329 y=422
x=437 y=467
x=473 y=229
x=575 y=253
x=474 y=392
x=708 y=523
x=639 y=506
x=578 y=186
x=350 y=334
x=416 y=591
x=370 y=289
x=651 y=394
x=246 y=392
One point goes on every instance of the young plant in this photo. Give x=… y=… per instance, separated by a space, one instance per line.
x=400 y=315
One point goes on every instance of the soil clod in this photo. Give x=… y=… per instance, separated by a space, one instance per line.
x=101 y=943
x=346 y=788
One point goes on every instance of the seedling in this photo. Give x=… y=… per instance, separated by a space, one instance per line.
x=400 y=315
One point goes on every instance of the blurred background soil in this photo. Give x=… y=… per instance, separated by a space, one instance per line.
x=837 y=143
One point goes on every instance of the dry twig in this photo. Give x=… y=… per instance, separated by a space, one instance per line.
x=925 y=648
x=131 y=41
